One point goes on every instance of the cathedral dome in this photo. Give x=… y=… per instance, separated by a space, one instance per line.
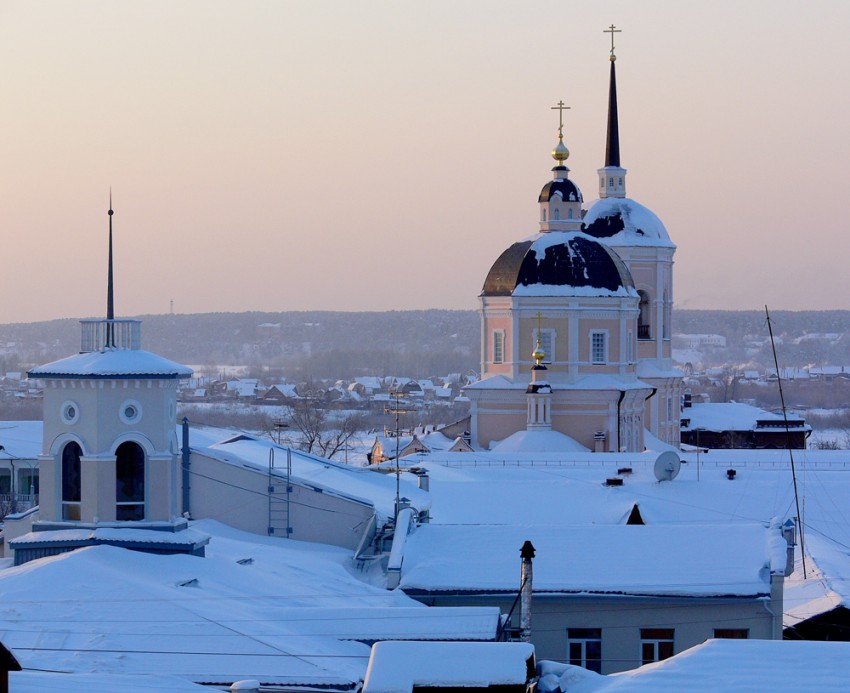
x=619 y=221
x=559 y=263
x=564 y=187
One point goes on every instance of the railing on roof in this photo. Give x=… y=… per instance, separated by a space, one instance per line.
x=101 y=335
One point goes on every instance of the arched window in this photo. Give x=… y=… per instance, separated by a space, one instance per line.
x=643 y=318
x=544 y=214
x=570 y=213
x=129 y=482
x=557 y=214
x=71 y=479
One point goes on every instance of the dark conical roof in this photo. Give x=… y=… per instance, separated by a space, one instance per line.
x=559 y=263
x=612 y=145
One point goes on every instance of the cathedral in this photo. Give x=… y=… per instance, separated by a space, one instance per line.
x=575 y=322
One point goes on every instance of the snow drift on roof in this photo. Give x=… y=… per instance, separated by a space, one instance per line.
x=620 y=221
x=112 y=363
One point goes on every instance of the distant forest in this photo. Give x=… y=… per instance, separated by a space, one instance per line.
x=421 y=343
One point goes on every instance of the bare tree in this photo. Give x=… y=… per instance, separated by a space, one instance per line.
x=316 y=434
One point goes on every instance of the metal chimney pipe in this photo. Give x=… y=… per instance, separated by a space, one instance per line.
x=527 y=554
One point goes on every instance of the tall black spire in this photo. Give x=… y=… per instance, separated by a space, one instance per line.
x=612 y=177
x=612 y=145
x=110 y=304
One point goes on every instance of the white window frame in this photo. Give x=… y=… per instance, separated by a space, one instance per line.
x=656 y=642
x=593 y=360
x=498 y=339
x=548 y=349
x=582 y=641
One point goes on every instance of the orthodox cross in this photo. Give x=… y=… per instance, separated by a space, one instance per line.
x=611 y=30
x=560 y=107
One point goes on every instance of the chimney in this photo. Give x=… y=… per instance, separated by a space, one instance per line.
x=599 y=441
x=527 y=554
x=789 y=532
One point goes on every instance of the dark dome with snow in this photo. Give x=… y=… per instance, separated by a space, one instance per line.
x=563 y=187
x=621 y=221
x=559 y=263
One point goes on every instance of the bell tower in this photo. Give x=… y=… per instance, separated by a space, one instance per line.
x=109 y=450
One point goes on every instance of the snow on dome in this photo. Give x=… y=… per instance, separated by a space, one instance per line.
x=621 y=221
x=118 y=363
x=563 y=187
x=538 y=441
x=559 y=263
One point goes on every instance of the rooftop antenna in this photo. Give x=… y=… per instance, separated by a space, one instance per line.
x=787 y=439
x=110 y=304
x=397 y=410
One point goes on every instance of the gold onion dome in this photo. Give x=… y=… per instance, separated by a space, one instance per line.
x=538 y=355
x=560 y=153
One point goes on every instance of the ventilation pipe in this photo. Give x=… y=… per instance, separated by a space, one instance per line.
x=187 y=454
x=527 y=555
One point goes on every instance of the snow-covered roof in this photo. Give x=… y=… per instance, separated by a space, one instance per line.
x=702 y=560
x=732 y=416
x=559 y=263
x=283 y=612
x=538 y=441
x=778 y=666
x=59 y=682
x=112 y=363
x=620 y=221
x=396 y=667
x=357 y=483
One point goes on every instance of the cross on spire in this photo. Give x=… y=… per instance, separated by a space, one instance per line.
x=560 y=107
x=611 y=30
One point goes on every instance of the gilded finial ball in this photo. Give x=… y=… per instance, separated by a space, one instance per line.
x=538 y=355
x=560 y=152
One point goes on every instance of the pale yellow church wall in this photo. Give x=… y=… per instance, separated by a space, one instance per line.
x=49 y=488
x=100 y=429
x=501 y=421
x=498 y=324
x=97 y=489
x=581 y=427
x=160 y=504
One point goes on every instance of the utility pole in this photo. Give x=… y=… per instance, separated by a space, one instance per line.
x=397 y=410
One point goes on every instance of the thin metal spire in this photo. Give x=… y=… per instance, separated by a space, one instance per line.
x=110 y=305
x=612 y=144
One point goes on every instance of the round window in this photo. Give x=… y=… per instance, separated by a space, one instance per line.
x=130 y=412
x=70 y=412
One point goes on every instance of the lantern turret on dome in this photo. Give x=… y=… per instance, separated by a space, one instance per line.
x=560 y=200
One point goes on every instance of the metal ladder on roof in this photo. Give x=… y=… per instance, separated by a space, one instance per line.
x=279 y=491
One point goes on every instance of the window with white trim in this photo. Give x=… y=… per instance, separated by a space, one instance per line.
x=584 y=648
x=498 y=346
x=547 y=343
x=598 y=346
x=655 y=644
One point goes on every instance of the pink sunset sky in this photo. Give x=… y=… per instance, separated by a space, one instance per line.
x=379 y=155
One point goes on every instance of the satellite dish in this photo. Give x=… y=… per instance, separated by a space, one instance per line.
x=667 y=466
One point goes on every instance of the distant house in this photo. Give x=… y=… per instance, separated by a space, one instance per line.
x=609 y=597
x=737 y=425
x=281 y=393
